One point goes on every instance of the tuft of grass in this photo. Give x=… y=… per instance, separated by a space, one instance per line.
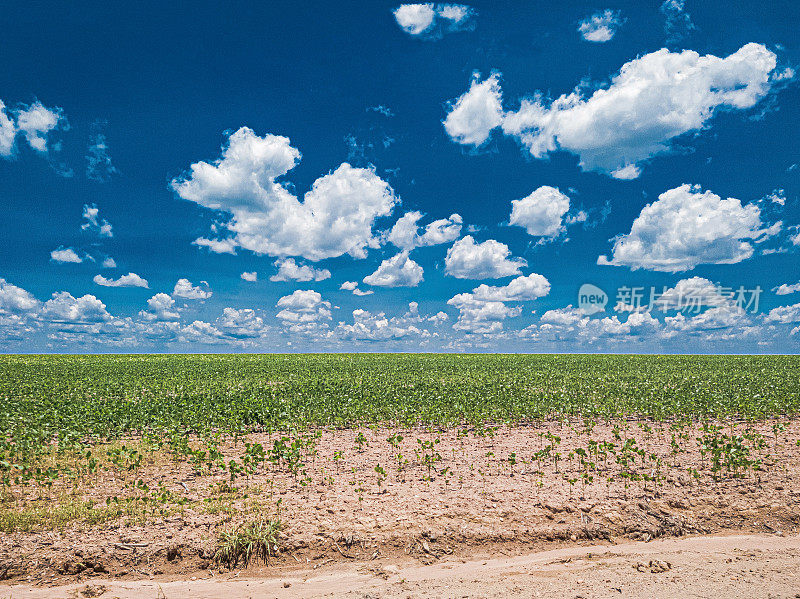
x=248 y=541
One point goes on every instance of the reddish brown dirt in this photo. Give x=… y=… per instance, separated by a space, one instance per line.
x=481 y=506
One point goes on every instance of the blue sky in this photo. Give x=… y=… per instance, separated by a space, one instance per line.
x=385 y=177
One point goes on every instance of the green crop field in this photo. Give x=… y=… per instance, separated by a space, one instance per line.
x=60 y=403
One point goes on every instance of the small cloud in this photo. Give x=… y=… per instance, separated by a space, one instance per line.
x=252 y=277
x=289 y=270
x=601 y=26
x=109 y=262
x=185 y=289
x=64 y=255
x=786 y=289
x=93 y=223
x=352 y=286
x=397 y=271
x=431 y=21
x=129 y=280
x=217 y=246
x=98 y=161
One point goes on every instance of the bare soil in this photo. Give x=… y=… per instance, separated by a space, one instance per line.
x=487 y=519
x=732 y=567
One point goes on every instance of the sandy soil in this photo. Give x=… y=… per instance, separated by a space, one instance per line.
x=731 y=567
x=341 y=525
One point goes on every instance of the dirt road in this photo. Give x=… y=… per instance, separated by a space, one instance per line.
x=747 y=566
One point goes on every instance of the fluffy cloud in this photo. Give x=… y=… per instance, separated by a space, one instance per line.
x=481 y=317
x=252 y=277
x=784 y=314
x=289 y=270
x=377 y=327
x=570 y=325
x=335 y=217
x=483 y=310
x=397 y=271
x=15 y=299
x=33 y=122
x=65 y=255
x=430 y=21
x=713 y=319
x=601 y=26
x=786 y=289
x=65 y=309
x=233 y=326
x=405 y=233
x=542 y=213
x=91 y=214
x=185 y=289
x=109 y=262
x=200 y=331
x=160 y=307
x=241 y=324
x=473 y=115
x=686 y=227
x=652 y=100
x=129 y=280
x=488 y=260
x=352 y=286
x=521 y=289
x=217 y=246
x=304 y=312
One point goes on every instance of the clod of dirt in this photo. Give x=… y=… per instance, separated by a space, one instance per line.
x=654 y=566
x=173 y=552
x=93 y=590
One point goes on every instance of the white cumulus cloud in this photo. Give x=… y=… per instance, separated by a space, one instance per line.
x=289 y=270
x=304 y=312
x=251 y=277
x=467 y=259
x=335 y=217
x=686 y=227
x=430 y=21
x=91 y=215
x=472 y=117
x=33 y=122
x=160 y=307
x=129 y=280
x=65 y=255
x=786 y=289
x=185 y=289
x=397 y=271
x=652 y=100
x=542 y=212
x=406 y=235
x=483 y=310
x=601 y=26
x=352 y=286
x=16 y=299
x=66 y=309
